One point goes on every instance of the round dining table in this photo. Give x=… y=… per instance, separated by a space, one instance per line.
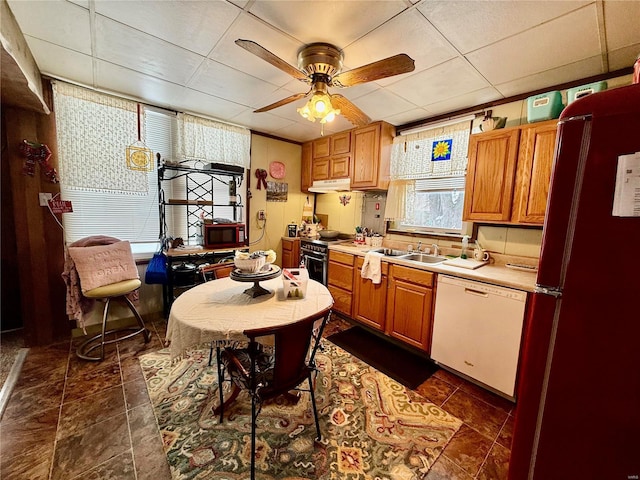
x=220 y=311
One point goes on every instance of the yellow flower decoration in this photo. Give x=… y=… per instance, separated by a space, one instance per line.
x=441 y=149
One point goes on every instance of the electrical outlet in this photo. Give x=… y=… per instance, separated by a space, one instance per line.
x=262 y=215
x=44 y=198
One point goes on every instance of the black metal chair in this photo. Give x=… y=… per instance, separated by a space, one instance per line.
x=268 y=375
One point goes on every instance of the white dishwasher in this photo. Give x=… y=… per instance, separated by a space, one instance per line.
x=477 y=330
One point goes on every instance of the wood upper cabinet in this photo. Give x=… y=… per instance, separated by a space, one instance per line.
x=340 y=281
x=509 y=173
x=372 y=156
x=533 y=175
x=331 y=157
x=409 y=311
x=305 y=166
x=370 y=298
x=290 y=252
x=491 y=175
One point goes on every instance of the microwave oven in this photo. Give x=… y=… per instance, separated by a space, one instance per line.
x=223 y=235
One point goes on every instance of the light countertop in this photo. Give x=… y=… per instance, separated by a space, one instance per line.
x=492 y=273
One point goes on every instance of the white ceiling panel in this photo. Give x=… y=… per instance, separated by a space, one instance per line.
x=540 y=48
x=407 y=33
x=151 y=55
x=55 y=21
x=448 y=80
x=336 y=21
x=180 y=54
x=557 y=76
x=60 y=62
x=195 y=26
x=472 y=25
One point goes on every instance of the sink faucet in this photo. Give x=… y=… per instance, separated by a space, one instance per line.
x=419 y=244
x=436 y=249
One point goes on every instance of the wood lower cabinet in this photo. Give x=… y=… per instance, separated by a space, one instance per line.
x=409 y=312
x=340 y=281
x=370 y=299
x=290 y=252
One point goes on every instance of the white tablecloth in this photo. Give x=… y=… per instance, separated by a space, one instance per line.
x=220 y=310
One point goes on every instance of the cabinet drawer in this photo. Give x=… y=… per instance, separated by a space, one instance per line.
x=341 y=300
x=384 y=266
x=340 y=275
x=421 y=277
x=341 y=257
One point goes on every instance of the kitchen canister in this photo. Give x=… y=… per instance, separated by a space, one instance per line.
x=544 y=106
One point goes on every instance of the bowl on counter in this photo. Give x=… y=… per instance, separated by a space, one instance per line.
x=329 y=233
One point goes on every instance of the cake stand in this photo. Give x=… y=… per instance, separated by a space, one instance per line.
x=255 y=291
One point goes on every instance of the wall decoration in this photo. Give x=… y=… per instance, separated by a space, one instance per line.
x=277 y=191
x=40 y=153
x=442 y=150
x=344 y=200
x=261 y=175
x=277 y=170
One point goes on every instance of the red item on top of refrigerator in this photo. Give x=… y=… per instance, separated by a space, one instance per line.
x=578 y=396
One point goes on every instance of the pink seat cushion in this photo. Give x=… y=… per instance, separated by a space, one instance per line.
x=104 y=264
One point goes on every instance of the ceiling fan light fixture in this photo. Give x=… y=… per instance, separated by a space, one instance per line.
x=319 y=108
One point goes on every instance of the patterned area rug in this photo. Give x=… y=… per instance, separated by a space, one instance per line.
x=372 y=427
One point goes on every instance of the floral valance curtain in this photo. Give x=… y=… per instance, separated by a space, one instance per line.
x=210 y=141
x=93 y=131
x=436 y=152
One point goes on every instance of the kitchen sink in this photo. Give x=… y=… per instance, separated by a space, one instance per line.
x=390 y=252
x=423 y=258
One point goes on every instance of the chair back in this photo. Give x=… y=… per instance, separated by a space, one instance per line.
x=294 y=352
x=217 y=270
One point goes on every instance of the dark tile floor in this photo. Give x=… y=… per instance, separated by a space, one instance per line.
x=71 y=419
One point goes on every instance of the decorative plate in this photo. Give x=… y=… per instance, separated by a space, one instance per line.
x=277 y=169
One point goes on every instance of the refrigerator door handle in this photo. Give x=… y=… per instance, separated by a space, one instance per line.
x=551 y=291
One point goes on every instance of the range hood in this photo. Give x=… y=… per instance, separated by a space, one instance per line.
x=326 y=186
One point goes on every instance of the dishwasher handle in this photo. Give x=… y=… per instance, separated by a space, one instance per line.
x=478 y=293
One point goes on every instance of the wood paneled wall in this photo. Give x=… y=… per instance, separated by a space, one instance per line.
x=37 y=238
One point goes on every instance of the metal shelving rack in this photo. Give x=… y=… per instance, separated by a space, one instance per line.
x=196 y=199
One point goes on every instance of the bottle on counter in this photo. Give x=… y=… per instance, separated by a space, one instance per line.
x=465 y=246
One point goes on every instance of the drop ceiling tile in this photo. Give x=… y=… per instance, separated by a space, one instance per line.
x=125 y=46
x=541 y=48
x=556 y=76
x=381 y=103
x=225 y=82
x=472 y=25
x=448 y=80
x=408 y=116
x=61 y=62
x=54 y=21
x=407 y=33
x=208 y=105
x=195 y=26
x=477 y=97
x=249 y=28
x=623 y=57
x=621 y=23
x=337 y=22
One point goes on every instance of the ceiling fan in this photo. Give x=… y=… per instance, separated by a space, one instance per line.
x=320 y=65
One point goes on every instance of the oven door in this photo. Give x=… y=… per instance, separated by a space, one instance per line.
x=316 y=264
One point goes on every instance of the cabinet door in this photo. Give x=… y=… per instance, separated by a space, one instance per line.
x=491 y=175
x=321 y=147
x=409 y=308
x=370 y=301
x=339 y=166
x=306 y=158
x=320 y=169
x=366 y=156
x=533 y=177
x=341 y=143
x=290 y=253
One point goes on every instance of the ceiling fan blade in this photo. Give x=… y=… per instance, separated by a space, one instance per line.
x=266 y=55
x=282 y=102
x=350 y=111
x=388 y=67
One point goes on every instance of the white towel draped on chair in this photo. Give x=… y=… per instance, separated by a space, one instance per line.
x=371 y=268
